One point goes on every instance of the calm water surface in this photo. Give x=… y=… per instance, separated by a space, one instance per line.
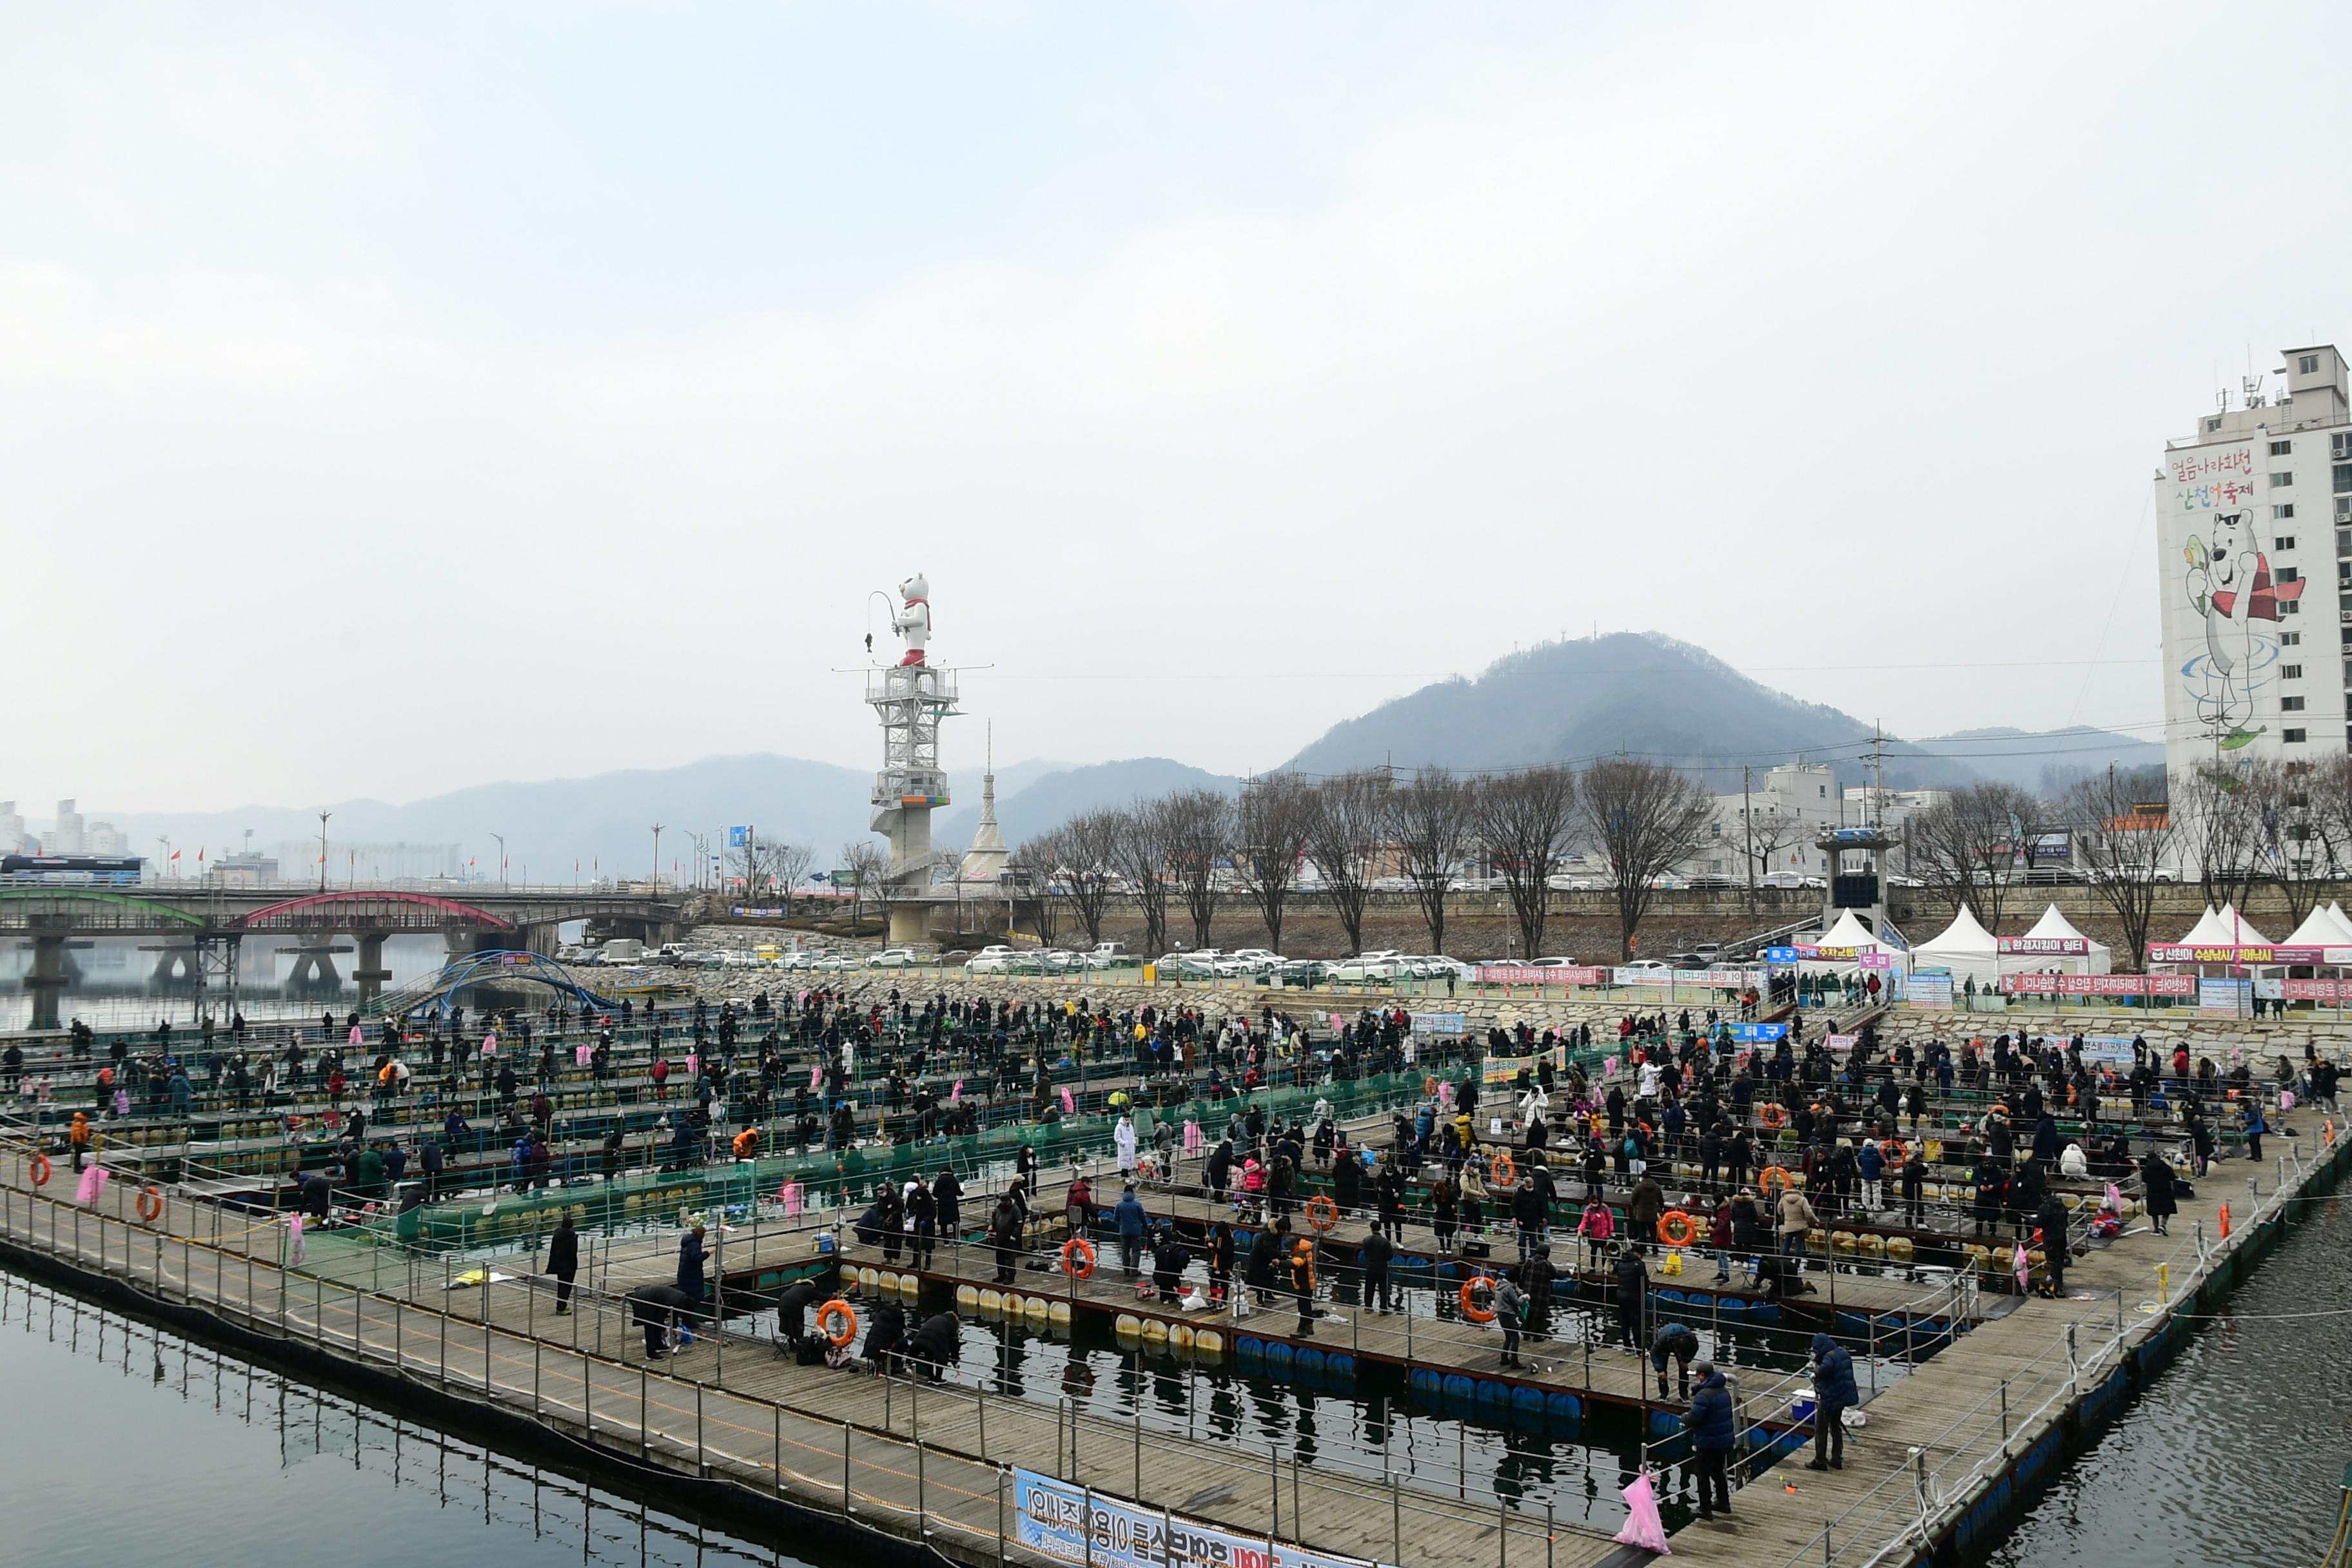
x=2236 y=1453
x=130 y=1447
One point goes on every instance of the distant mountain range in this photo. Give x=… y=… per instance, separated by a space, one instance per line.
x=1562 y=702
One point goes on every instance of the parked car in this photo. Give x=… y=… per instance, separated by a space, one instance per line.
x=1646 y=966
x=1366 y=967
x=989 y=960
x=1303 y=972
x=893 y=958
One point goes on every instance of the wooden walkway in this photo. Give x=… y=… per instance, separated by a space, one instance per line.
x=927 y=1464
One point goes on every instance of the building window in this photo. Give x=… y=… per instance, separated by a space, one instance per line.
x=2291 y=737
x=2282 y=448
x=2290 y=672
x=2290 y=639
x=2291 y=606
x=2344 y=509
x=2307 y=365
x=2281 y=513
x=2284 y=478
x=2339 y=446
x=2290 y=704
x=2284 y=542
x=2286 y=573
x=2342 y=476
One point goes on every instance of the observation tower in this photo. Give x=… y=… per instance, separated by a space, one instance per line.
x=910 y=699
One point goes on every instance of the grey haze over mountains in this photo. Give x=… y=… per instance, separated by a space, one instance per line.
x=1562 y=701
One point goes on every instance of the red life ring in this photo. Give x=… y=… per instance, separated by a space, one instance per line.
x=150 y=1202
x=39 y=1169
x=1084 y=1268
x=1770 y=1114
x=845 y=1314
x=1322 y=1213
x=1677 y=1229
x=1470 y=1308
x=1506 y=1169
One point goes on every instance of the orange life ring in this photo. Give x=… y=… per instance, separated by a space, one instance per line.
x=39 y=1169
x=1677 y=1229
x=1504 y=1170
x=1773 y=1178
x=1470 y=1308
x=1322 y=1213
x=847 y=1316
x=1429 y=1087
x=150 y=1202
x=1084 y=1268
x=1770 y=1114
x=1998 y=1109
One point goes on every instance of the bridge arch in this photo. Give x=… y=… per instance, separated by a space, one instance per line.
x=372 y=909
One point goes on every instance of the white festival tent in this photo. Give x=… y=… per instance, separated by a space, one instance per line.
x=2097 y=957
x=1965 y=948
x=2343 y=922
x=2226 y=928
x=2316 y=931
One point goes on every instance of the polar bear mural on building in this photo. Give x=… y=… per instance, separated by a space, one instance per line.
x=2231 y=587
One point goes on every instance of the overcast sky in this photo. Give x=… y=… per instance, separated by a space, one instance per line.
x=396 y=398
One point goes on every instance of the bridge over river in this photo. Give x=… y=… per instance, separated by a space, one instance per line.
x=199 y=932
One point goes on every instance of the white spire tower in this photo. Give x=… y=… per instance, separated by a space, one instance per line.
x=910 y=698
x=984 y=861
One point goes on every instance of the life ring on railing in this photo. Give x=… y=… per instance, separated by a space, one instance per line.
x=1504 y=1170
x=150 y=1202
x=1083 y=1249
x=841 y=1311
x=1896 y=1151
x=1773 y=1178
x=1771 y=1116
x=1998 y=1108
x=1429 y=1087
x=1677 y=1229
x=1322 y=1213
x=1470 y=1307
x=39 y=1168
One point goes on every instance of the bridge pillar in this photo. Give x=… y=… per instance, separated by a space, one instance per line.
x=371 y=974
x=176 y=969
x=47 y=978
x=314 y=972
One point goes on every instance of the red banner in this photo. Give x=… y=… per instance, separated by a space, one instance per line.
x=1542 y=974
x=2099 y=985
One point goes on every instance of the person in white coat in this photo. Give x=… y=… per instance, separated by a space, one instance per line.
x=1124 y=1136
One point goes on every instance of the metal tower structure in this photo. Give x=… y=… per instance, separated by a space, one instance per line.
x=910 y=699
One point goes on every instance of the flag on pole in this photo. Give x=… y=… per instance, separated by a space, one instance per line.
x=175 y=855
x=200 y=856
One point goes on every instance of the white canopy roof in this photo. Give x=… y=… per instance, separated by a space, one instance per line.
x=2226 y=928
x=2097 y=957
x=1849 y=931
x=2343 y=922
x=1964 y=947
x=2316 y=931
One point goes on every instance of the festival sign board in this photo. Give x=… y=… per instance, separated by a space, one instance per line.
x=1072 y=1525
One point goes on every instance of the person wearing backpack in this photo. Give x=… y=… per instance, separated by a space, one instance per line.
x=1714 y=1434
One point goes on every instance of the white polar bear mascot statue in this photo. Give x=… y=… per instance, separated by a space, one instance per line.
x=913 y=620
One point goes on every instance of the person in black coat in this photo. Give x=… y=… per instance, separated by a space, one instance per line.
x=1004 y=1228
x=1633 y=1289
x=1264 y=1255
x=935 y=1346
x=2163 y=1200
x=792 y=1311
x=1169 y=1260
x=563 y=1261
x=1378 y=1252
x=2050 y=1222
x=654 y=1307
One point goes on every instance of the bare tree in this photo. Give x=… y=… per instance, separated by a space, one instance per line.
x=2330 y=786
x=1033 y=866
x=1351 y=812
x=1645 y=819
x=1273 y=820
x=1079 y=863
x=2221 y=828
x=2124 y=847
x=1140 y=852
x=1523 y=819
x=1764 y=833
x=785 y=864
x=2295 y=843
x=1197 y=826
x=1430 y=823
x=865 y=863
x=1971 y=847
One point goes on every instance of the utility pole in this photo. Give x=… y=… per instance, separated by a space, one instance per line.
x=657 y=827
x=502 y=857
x=1748 y=831
x=322 y=850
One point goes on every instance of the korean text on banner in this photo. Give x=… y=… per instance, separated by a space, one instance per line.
x=1071 y=1525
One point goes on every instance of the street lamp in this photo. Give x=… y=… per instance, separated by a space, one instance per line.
x=658 y=830
x=322 y=850
x=165 y=840
x=502 y=857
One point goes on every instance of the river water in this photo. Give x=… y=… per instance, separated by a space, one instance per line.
x=2236 y=1453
